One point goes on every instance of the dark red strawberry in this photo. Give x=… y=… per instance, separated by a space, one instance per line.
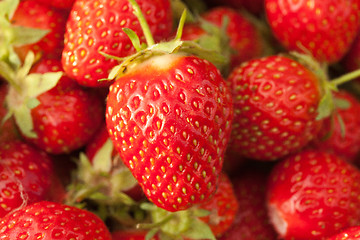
x=340 y=133
x=131 y=235
x=313 y=195
x=352 y=59
x=255 y=6
x=31 y=13
x=49 y=220
x=170 y=122
x=223 y=207
x=351 y=233
x=97 y=26
x=67 y=115
x=63 y=4
x=26 y=175
x=325 y=29
x=251 y=221
x=275 y=107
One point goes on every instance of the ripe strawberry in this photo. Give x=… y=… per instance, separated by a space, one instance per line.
x=223 y=207
x=275 y=107
x=95 y=26
x=49 y=220
x=62 y=4
x=340 y=133
x=26 y=175
x=255 y=7
x=131 y=235
x=67 y=115
x=351 y=233
x=313 y=195
x=171 y=122
x=325 y=29
x=352 y=59
x=31 y=13
x=245 y=40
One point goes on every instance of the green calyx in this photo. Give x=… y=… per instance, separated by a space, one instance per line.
x=14 y=36
x=146 y=51
x=24 y=90
x=176 y=225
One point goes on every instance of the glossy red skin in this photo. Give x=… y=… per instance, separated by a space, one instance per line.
x=26 y=175
x=83 y=38
x=351 y=233
x=53 y=221
x=171 y=125
x=347 y=146
x=223 y=207
x=315 y=193
x=254 y=6
x=325 y=29
x=63 y=4
x=130 y=235
x=67 y=116
x=275 y=103
x=351 y=61
x=245 y=39
x=251 y=221
x=31 y=13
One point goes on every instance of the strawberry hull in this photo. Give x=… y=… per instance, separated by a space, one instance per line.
x=170 y=120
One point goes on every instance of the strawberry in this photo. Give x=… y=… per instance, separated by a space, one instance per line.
x=340 y=133
x=96 y=26
x=275 y=107
x=49 y=220
x=313 y=195
x=255 y=7
x=26 y=175
x=351 y=61
x=31 y=13
x=223 y=207
x=245 y=39
x=251 y=220
x=351 y=233
x=66 y=115
x=324 y=29
x=62 y=4
x=131 y=235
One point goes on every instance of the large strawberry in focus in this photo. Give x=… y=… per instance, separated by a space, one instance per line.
x=325 y=29
x=351 y=233
x=275 y=107
x=313 y=195
x=95 y=27
x=49 y=220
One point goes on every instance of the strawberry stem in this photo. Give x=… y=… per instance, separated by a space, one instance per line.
x=345 y=78
x=181 y=25
x=144 y=25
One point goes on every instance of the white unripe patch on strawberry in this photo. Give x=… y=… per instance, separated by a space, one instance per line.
x=277 y=220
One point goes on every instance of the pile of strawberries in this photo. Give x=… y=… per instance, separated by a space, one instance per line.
x=170 y=119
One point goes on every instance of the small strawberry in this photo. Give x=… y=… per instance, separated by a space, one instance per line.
x=351 y=233
x=340 y=133
x=251 y=221
x=223 y=207
x=26 y=175
x=313 y=195
x=325 y=29
x=275 y=107
x=49 y=220
x=31 y=13
x=64 y=116
x=96 y=26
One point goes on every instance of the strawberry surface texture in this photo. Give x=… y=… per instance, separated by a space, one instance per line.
x=180 y=119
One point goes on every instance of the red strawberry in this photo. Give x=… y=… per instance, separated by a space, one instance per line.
x=30 y=13
x=351 y=233
x=26 y=175
x=340 y=133
x=67 y=115
x=325 y=29
x=251 y=221
x=63 y=4
x=48 y=221
x=313 y=195
x=131 y=235
x=352 y=59
x=170 y=122
x=255 y=6
x=95 y=26
x=275 y=107
x=245 y=39
x=223 y=207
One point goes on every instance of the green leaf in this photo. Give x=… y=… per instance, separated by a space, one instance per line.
x=342 y=125
x=102 y=160
x=8 y=8
x=198 y=212
x=134 y=38
x=326 y=106
x=24 y=120
x=151 y=233
x=123 y=180
x=342 y=103
x=25 y=35
x=199 y=230
x=37 y=83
